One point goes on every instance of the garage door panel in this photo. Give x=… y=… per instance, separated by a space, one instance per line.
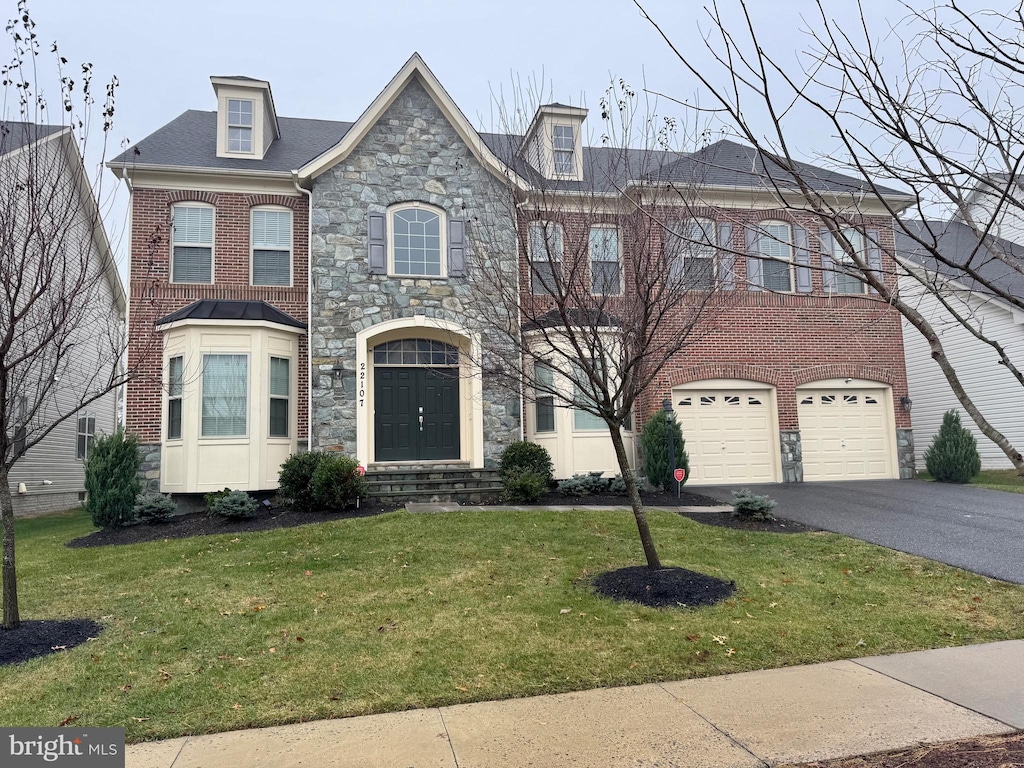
x=729 y=435
x=844 y=435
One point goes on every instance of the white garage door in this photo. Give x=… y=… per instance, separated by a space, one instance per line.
x=844 y=434
x=729 y=435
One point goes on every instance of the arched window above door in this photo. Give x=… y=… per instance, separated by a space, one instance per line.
x=415 y=352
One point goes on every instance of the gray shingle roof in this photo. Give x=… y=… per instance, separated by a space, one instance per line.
x=190 y=141
x=958 y=243
x=15 y=134
x=212 y=309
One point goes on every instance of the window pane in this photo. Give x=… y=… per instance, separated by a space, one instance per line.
x=271 y=267
x=417 y=242
x=193 y=224
x=80 y=447
x=587 y=421
x=544 y=374
x=192 y=265
x=563 y=137
x=239 y=139
x=175 y=376
x=604 y=244
x=278 y=417
x=606 y=278
x=225 y=391
x=776 y=276
x=699 y=274
x=545 y=241
x=271 y=229
x=174 y=419
x=776 y=241
x=279 y=378
x=545 y=414
x=543 y=277
x=239 y=112
x=563 y=162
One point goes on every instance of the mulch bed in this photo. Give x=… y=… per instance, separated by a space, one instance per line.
x=983 y=752
x=202 y=524
x=736 y=522
x=667 y=588
x=660 y=499
x=41 y=637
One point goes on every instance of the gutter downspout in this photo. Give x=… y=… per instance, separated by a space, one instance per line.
x=123 y=362
x=309 y=308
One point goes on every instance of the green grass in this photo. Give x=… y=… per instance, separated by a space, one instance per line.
x=996 y=479
x=403 y=610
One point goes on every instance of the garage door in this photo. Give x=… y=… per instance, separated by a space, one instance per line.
x=844 y=434
x=729 y=435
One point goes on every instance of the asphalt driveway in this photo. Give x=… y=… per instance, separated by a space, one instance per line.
x=973 y=528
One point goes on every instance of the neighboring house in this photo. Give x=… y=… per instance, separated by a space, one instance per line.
x=990 y=385
x=312 y=282
x=50 y=475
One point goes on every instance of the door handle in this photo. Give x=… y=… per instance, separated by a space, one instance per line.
x=421 y=423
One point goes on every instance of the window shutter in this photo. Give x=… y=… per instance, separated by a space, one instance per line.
x=803 y=260
x=456 y=248
x=378 y=255
x=828 y=265
x=755 y=281
x=874 y=256
x=726 y=259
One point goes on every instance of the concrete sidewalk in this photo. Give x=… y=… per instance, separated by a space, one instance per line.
x=763 y=718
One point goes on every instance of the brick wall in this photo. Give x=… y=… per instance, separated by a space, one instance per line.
x=154 y=296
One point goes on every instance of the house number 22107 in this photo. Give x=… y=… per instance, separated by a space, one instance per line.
x=362 y=384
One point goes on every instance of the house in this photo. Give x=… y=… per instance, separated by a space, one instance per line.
x=313 y=285
x=61 y=281
x=925 y=285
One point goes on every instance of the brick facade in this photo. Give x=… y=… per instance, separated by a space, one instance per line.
x=153 y=295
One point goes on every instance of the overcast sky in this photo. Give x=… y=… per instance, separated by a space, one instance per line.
x=328 y=59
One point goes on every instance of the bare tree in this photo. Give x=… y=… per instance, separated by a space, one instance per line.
x=614 y=278
x=941 y=123
x=61 y=306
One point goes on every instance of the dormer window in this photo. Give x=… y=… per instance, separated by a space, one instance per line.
x=563 y=142
x=239 y=125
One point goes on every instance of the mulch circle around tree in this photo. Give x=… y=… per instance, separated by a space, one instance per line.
x=40 y=637
x=203 y=524
x=665 y=588
x=982 y=752
x=740 y=523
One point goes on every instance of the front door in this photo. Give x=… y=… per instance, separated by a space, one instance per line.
x=416 y=414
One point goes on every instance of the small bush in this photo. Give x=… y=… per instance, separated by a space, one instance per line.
x=234 y=505
x=654 y=444
x=211 y=498
x=591 y=484
x=747 y=504
x=953 y=455
x=112 y=479
x=295 y=482
x=525 y=486
x=336 y=484
x=522 y=456
x=154 y=508
x=617 y=486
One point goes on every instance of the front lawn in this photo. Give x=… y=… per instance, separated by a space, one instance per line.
x=996 y=479
x=405 y=610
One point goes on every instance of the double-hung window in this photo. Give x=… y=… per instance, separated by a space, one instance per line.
x=416 y=242
x=239 y=125
x=605 y=269
x=583 y=420
x=175 y=382
x=691 y=255
x=225 y=395
x=544 y=377
x=280 y=380
x=86 y=435
x=271 y=246
x=545 y=246
x=775 y=245
x=846 y=280
x=192 y=243
x=563 y=143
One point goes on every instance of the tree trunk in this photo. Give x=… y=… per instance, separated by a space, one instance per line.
x=10 y=582
x=634 y=500
x=939 y=355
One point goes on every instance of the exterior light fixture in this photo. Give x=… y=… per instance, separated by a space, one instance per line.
x=907 y=403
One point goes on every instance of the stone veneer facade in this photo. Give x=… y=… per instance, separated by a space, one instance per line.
x=411 y=154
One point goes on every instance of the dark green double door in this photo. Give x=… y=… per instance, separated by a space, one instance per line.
x=416 y=414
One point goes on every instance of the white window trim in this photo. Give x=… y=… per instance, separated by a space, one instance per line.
x=90 y=438
x=842 y=259
x=791 y=261
x=169 y=398
x=288 y=399
x=685 y=255
x=590 y=260
x=248 y=394
x=443 y=231
x=230 y=125
x=544 y=257
x=291 y=246
x=213 y=241
x=572 y=173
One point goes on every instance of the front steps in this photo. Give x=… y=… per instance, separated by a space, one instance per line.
x=452 y=482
